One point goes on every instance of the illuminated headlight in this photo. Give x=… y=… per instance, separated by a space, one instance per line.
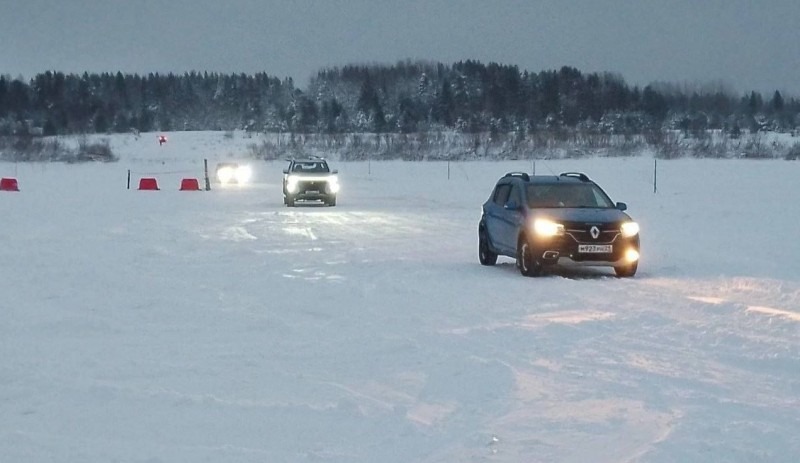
x=546 y=227
x=629 y=229
x=243 y=174
x=631 y=255
x=225 y=174
x=291 y=184
x=333 y=184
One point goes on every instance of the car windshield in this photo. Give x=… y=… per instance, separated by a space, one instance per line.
x=311 y=166
x=567 y=195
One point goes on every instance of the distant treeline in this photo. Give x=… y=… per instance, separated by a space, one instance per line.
x=407 y=97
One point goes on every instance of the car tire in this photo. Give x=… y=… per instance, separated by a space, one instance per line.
x=485 y=254
x=331 y=201
x=289 y=200
x=527 y=264
x=626 y=271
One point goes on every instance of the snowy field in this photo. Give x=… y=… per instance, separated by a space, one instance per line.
x=220 y=326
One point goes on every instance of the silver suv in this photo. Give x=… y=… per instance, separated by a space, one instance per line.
x=310 y=180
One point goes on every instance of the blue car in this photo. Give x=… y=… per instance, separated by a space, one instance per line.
x=544 y=221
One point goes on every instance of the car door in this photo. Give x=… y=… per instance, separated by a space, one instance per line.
x=286 y=172
x=513 y=217
x=496 y=216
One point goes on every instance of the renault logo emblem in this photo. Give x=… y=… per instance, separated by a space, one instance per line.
x=594 y=231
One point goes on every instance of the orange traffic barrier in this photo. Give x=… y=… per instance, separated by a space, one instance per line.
x=190 y=184
x=9 y=184
x=148 y=183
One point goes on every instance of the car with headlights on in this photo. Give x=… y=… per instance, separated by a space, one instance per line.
x=232 y=173
x=549 y=221
x=310 y=179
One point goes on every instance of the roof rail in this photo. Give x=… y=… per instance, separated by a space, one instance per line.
x=306 y=158
x=583 y=177
x=522 y=175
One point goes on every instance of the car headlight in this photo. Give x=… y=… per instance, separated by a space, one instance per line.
x=291 y=184
x=333 y=184
x=629 y=229
x=547 y=228
x=225 y=174
x=243 y=174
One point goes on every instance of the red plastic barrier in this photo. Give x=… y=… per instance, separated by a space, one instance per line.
x=8 y=184
x=190 y=184
x=148 y=183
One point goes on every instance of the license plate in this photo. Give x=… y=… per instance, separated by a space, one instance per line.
x=595 y=248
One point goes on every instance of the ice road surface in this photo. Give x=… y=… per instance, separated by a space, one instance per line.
x=221 y=326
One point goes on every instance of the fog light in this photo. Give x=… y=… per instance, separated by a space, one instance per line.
x=631 y=255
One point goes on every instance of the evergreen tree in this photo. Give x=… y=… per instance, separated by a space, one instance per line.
x=307 y=115
x=653 y=103
x=3 y=96
x=405 y=97
x=777 y=102
x=17 y=99
x=49 y=128
x=100 y=123
x=368 y=97
x=754 y=104
x=445 y=105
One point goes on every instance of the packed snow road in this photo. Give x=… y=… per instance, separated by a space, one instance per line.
x=224 y=326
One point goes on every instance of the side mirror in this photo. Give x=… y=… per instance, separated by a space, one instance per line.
x=511 y=205
x=622 y=206
x=335 y=171
x=286 y=171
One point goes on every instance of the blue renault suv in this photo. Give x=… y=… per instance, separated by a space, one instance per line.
x=544 y=221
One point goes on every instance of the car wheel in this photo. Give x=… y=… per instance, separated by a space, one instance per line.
x=485 y=254
x=331 y=201
x=626 y=271
x=528 y=265
x=289 y=200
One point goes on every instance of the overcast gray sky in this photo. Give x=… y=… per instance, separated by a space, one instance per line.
x=747 y=44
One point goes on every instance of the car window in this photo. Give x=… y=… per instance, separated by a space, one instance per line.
x=311 y=166
x=585 y=195
x=602 y=198
x=501 y=194
x=516 y=194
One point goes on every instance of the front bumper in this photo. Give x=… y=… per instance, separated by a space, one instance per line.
x=310 y=190
x=565 y=251
x=312 y=196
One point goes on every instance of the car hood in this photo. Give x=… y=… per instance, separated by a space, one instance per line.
x=588 y=215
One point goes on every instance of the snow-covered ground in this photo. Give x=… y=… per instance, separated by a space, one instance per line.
x=221 y=326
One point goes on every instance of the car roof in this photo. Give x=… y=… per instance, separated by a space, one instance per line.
x=566 y=177
x=556 y=179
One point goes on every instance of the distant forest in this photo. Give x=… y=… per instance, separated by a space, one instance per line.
x=407 y=97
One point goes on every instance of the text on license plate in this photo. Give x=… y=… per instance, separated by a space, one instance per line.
x=594 y=248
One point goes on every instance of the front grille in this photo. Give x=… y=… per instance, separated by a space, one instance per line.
x=581 y=233
x=311 y=186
